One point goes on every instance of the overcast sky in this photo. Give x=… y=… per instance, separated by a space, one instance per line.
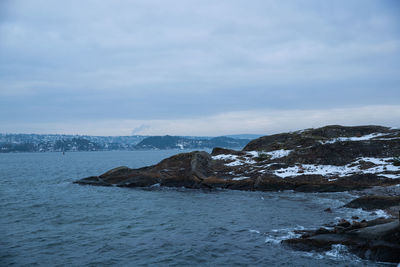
x=197 y=67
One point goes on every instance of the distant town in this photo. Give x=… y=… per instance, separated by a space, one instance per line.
x=64 y=143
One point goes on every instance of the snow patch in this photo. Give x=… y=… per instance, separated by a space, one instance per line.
x=391 y=176
x=236 y=160
x=279 y=153
x=309 y=169
x=383 y=164
x=225 y=157
x=253 y=153
x=275 y=154
x=240 y=178
x=353 y=138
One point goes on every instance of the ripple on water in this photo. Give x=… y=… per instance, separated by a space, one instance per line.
x=47 y=220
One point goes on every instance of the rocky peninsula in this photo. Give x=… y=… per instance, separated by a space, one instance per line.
x=334 y=158
x=328 y=159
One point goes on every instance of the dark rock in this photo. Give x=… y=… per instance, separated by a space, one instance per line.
x=379 y=242
x=363 y=165
x=310 y=137
x=218 y=151
x=328 y=210
x=344 y=223
x=374 y=202
x=200 y=170
x=342 y=153
x=321 y=231
x=93 y=180
x=356 y=225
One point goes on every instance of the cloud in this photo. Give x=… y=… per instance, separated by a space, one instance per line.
x=257 y=122
x=140 y=129
x=184 y=60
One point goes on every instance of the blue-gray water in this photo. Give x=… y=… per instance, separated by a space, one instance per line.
x=48 y=221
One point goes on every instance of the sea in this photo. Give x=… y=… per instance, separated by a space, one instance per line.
x=46 y=220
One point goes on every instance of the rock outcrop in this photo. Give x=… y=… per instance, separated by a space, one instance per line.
x=332 y=158
x=328 y=159
x=377 y=240
x=374 y=202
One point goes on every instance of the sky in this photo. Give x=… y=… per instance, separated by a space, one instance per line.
x=155 y=67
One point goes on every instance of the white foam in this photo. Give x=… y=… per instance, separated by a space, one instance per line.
x=362 y=214
x=273 y=240
x=381 y=213
x=337 y=251
x=282 y=234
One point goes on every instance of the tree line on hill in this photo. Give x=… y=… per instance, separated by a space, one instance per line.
x=60 y=143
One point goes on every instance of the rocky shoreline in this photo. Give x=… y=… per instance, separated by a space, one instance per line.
x=328 y=159
x=377 y=239
x=364 y=159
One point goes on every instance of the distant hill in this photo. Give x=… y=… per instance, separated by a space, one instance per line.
x=179 y=142
x=245 y=136
x=58 y=142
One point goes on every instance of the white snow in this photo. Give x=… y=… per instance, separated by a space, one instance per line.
x=389 y=138
x=383 y=164
x=275 y=154
x=353 y=138
x=307 y=169
x=279 y=153
x=225 y=157
x=253 y=153
x=377 y=161
x=240 y=178
x=237 y=161
x=391 y=176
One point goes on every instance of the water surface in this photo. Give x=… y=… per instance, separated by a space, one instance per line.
x=48 y=221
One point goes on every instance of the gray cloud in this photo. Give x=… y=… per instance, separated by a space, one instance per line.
x=153 y=60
